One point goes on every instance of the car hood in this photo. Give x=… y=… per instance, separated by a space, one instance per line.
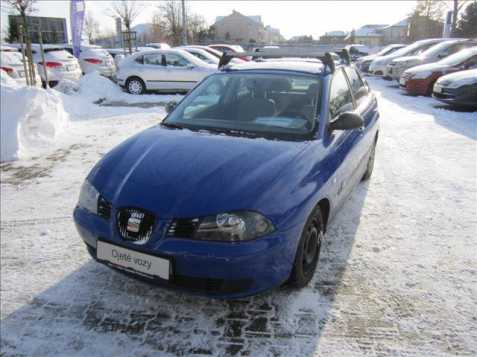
x=434 y=67
x=183 y=173
x=410 y=59
x=458 y=79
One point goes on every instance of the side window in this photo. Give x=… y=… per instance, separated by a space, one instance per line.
x=139 y=59
x=471 y=63
x=340 y=95
x=358 y=87
x=173 y=60
x=155 y=59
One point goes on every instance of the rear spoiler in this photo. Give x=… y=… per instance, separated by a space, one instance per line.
x=329 y=59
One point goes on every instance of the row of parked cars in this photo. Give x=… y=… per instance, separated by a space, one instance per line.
x=58 y=64
x=154 y=67
x=443 y=68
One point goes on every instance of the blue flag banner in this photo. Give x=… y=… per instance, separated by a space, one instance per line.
x=77 y=11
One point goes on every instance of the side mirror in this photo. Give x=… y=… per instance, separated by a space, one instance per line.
x=190 y=66
x=170 y=106
x=347 y=121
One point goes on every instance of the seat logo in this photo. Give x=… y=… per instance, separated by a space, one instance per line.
x=134 y=222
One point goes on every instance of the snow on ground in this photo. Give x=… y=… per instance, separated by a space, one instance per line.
x=398 y=276
x=32 y=118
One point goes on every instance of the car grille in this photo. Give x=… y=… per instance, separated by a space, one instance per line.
x=183 y=228
x=135 y=224
x=104 y=208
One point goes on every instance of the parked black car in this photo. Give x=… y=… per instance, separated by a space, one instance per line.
x=458 y=89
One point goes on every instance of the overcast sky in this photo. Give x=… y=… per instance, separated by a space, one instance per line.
x=291 y=17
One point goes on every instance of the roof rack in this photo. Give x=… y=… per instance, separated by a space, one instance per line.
x=329 y=59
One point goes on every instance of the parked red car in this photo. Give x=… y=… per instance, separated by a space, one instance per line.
x=419 y=80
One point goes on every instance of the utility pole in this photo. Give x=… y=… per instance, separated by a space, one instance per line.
x=184 y=24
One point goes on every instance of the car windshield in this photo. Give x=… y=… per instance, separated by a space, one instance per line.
x=251 y=104
x=388 y=50
x=433 y=51
x=415 y=48
x=459 y=57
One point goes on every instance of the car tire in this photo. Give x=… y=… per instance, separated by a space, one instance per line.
x=135 y=85
x=308 y=252
x=370 y=164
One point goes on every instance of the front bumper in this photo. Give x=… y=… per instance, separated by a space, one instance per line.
x=418 y=86
x=465 y=96
x=218 y=269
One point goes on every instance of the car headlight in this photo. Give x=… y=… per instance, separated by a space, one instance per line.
x=227 y=227
x=88 y=198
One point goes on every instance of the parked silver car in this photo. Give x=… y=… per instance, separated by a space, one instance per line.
x=201 y=54
x=433 y=54
x=364 y=62
x=162 y=70
x=379 y=65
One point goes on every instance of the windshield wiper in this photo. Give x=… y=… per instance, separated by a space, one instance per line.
x=172 y=125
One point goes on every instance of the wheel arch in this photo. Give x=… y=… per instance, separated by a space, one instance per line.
x=324 y=205
x=134 y=76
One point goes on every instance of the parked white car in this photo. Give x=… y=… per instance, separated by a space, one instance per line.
x=201 y=54
x=433 y=54
x=158 y=45
x=364 y=62
x=11 y=62
x=95 y=58
x=162 y=70
x=59 y=64
x=378 y=65
x=216 y=53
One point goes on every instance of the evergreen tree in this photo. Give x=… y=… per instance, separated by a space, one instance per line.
x=467 y=25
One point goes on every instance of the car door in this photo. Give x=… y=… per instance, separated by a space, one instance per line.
x=180 y=73
x=366 y=106
x=152 y=70
x=347 y=149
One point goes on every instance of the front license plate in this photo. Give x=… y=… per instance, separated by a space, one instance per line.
x=139 y=262
x=437 y=88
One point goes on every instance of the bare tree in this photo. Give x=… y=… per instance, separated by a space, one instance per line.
x=169 y=18
x=197 y=27
x=430 y=9
x=170 y=15
x=91 y=27
x=127 y=11
x=25 y=7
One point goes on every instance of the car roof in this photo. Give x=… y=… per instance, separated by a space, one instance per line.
x=310 y=67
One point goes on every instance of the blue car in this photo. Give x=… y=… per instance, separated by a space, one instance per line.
x=232 y=193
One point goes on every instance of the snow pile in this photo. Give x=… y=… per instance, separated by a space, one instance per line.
x=94 y=87
x=31 y=119
x=98 y=89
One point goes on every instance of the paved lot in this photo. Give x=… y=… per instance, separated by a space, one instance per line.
x=398 y=276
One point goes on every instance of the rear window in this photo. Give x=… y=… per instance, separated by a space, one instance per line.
x=58 y=54
x=13 y=58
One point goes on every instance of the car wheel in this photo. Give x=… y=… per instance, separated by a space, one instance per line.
x=370 y=165
x=135 y=86
x=308 y=252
